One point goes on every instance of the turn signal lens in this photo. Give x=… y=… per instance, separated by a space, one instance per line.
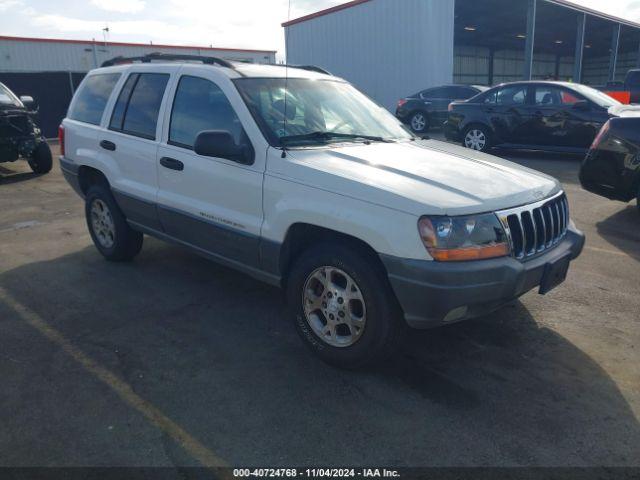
x=456 y=239
x=401 y=102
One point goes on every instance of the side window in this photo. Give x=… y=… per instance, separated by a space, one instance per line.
x=515 y=95
x=136 y=111
x=547 y=96
x=550 y=96
x=199 y=105
x=92 y=97
x=434 y=93
x=489 y=97
x=568 y=97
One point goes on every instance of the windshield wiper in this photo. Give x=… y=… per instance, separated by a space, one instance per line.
x=326 y=136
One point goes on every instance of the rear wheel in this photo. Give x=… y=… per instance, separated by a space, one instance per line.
x=41 y=159
x=111 y=234
x=343 y=307
x=477 y=137
x=419 y=122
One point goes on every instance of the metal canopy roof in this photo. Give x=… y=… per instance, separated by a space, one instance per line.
x=502 y=24
x=510 y=6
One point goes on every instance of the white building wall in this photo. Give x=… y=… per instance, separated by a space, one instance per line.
x=387 y=48
x=42 y=56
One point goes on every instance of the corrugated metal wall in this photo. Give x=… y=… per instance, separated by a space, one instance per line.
x=387 y=48
x=39 y=56
x=471 y=66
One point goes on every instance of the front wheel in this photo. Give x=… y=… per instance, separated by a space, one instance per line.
x=343 y=307
x=41 y=159
x=477 y=137
x=111 y=234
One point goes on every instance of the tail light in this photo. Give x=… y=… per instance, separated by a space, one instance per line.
x=450 y=107
x=61 y=139
x=401 y=102
x=601 y=134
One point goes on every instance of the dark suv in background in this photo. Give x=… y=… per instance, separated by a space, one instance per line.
x=20 y=137
x=428 y=108
x=551 y=116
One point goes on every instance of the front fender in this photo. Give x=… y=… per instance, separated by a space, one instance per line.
x=385 y=230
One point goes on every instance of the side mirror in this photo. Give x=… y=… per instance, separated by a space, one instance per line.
x=220 y=143
x=29 y=103
x=583 y=105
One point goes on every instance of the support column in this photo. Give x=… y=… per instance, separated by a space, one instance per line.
x=531 y=34
x=577 y=66
x=613 y=61
x=491 y=67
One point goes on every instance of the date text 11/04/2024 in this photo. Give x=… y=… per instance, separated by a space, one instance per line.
x=316 y=472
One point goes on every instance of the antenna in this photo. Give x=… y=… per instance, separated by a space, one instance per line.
x=286 y=75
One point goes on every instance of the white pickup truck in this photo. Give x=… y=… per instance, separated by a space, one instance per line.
x=296 y=178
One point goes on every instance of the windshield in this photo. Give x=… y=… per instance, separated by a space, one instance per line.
x=596 y=96
x=317 y=112
x=8 y=98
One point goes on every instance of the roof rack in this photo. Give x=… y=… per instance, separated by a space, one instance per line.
x=311 y=68
x=167 y=57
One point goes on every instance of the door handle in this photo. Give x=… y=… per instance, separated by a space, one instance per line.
x=107 y=145
x=172 y=163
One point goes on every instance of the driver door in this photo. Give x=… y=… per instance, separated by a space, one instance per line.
x=214 y=204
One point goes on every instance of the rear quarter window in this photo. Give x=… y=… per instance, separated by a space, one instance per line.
x=91 y=99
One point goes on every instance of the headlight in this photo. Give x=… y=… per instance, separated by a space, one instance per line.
x=454 y=239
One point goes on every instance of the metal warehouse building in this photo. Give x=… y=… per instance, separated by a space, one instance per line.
x=393 y=48
x=51 y=70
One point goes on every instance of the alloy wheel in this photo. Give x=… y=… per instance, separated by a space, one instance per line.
x=102 y=223
x=418 y=122
x=334 y=306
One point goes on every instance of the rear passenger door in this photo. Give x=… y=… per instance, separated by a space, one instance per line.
x=131 y=143
x=214 y=204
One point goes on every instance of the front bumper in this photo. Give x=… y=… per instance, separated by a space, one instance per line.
x=435 y=293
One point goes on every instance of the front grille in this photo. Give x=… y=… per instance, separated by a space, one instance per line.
x=534 y=228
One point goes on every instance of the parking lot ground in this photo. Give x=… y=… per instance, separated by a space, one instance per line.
x=174 y=361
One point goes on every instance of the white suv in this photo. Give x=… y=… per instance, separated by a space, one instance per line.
x=296 y=178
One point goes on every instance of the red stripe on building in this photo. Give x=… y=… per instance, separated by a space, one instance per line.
x=327 y=11
x=125 y=44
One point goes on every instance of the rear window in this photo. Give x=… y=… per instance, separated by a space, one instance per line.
x=92 y=97
x=136 y=111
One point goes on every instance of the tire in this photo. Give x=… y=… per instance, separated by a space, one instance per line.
x=477 y=137
x=419 y=122
x=110 y=232
x=41 y=159
x=380 y=327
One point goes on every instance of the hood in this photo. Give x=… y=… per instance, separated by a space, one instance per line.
x=425 y=177
x=624 y=111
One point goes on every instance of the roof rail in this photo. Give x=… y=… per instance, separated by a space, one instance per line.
x=157 y=56
x=311 y=68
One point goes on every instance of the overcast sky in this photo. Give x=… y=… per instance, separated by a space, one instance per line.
x=222 y=23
